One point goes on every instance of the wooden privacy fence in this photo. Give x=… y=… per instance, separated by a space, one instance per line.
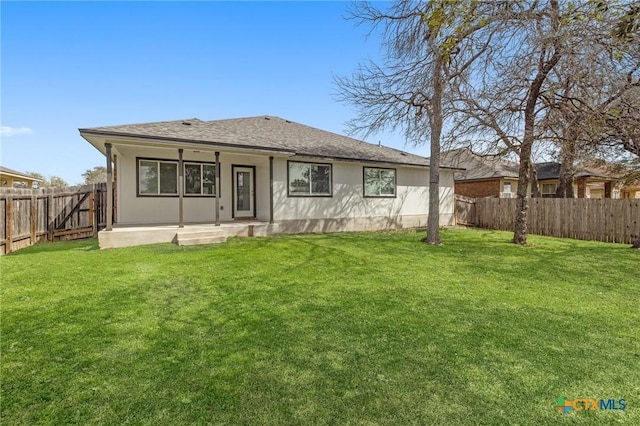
x=609 y=220
x=465 y=210
x=50 y=214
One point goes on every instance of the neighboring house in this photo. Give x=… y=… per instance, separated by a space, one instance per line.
x=589 y=182
x=493 y=176
x=631 y=190
x=483 y=176
x=9 y=178
x=275 y=172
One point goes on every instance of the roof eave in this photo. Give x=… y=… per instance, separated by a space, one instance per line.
x=92 y=132
x=84 y=132
x=21 y=177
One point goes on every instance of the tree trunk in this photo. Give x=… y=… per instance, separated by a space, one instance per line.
x=522 y=204
x=567 y=167
x=533 y=181
x=435 y=122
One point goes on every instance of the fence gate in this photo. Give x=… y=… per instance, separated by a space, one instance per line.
x=465 y=210
x=31 y=215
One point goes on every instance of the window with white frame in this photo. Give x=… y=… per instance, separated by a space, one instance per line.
x=506 y=190
x=309 y=179
x=379 y=182
x=157 y=177
x=548 y=190
x=199 y=179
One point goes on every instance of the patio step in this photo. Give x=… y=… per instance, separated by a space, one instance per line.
x=191 y=238
x=201 y=240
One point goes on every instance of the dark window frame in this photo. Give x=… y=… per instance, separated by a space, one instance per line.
x=184 y=194
x=364 y=183
x=329 y=195
x=158 y=160
x=215 y=175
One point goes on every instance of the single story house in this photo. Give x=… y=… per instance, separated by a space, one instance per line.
x=631 y=190
x=590 y=182
x=494 y=176
x=10 y=178
x=482 y=176
x=257 y=176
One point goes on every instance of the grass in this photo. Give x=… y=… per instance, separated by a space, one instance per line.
x=353 y=328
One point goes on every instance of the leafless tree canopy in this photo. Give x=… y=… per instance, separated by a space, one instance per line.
x=513 y=76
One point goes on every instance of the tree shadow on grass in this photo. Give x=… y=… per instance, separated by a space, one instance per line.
x=88 y=244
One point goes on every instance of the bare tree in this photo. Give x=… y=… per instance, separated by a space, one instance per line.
x=507 y=106
x=589 y=96
x=489 y=70
x=431 y=46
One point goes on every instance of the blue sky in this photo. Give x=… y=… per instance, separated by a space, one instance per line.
x=68 y=65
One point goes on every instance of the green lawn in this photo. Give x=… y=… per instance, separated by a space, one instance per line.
x=352 y=328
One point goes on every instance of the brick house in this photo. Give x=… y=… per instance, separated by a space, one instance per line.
x=590 y=182
x=494 y=176
x=483 y=176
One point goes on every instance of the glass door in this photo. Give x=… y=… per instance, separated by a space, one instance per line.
x=243 y=194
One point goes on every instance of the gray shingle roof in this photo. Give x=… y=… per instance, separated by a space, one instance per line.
x=490 y=167
x=548 y=170
x=551 y=170
x=264 y=132
x=479 y=167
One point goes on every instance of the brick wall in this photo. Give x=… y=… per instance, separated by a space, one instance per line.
x=479 y=189
x=582 y=188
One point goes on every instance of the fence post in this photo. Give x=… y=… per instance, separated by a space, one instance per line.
x=9 y=225
x=34 y=217
x=50 y=217
x=92 y=211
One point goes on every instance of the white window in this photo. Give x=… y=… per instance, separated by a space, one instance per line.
x=309 y=179
x=506 y=190
x=157 y=177
x=199 y=179
x=379 y=182
x=548 y=190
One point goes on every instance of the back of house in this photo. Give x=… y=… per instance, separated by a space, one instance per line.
x=267 y=170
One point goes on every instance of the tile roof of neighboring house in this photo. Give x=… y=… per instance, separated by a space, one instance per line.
x=265 y=133
x=479 y=167
x=13 y=173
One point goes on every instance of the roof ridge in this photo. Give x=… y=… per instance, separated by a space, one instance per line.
x=145 y=123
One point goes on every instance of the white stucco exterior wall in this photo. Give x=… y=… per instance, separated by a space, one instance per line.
x=352 y=210
x=347 y=209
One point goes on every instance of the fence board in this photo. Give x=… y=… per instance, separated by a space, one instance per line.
x=465 y=210
x=3 y=222
x=608 y=220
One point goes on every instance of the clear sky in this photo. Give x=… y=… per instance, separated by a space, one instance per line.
x=69 y=65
